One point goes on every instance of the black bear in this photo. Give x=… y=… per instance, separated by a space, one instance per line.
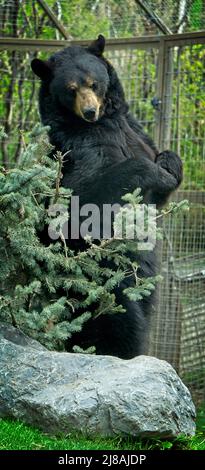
x=83 y=102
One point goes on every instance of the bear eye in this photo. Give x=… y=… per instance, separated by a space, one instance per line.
x=72 y=89
x=94 y=86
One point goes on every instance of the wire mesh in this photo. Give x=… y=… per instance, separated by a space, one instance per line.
x=178 y=332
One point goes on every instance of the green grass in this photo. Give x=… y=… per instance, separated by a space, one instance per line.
x=18 y=436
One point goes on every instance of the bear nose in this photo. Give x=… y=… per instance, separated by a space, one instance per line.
x=89 y=113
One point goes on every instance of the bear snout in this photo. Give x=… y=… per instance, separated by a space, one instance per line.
x=89 y=114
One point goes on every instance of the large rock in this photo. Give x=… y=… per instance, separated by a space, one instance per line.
x=62 y=392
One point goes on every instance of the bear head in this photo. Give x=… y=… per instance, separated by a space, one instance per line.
x=81 y=81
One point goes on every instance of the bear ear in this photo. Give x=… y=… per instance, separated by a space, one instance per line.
x=97 y=47
x=42 y=69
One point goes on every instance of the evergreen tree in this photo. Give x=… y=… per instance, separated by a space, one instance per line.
x=32 y=274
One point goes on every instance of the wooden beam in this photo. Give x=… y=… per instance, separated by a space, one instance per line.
x=53 y=18
x=141 y=42
x=51 y=44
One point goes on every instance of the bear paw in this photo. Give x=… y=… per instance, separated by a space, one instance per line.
x=172 y=163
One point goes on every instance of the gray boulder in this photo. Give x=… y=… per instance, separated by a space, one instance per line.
x=98 y=395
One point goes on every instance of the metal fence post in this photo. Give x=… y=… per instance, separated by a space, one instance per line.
x=164 y=95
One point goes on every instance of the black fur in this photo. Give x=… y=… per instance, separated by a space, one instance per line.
x=108 y=158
